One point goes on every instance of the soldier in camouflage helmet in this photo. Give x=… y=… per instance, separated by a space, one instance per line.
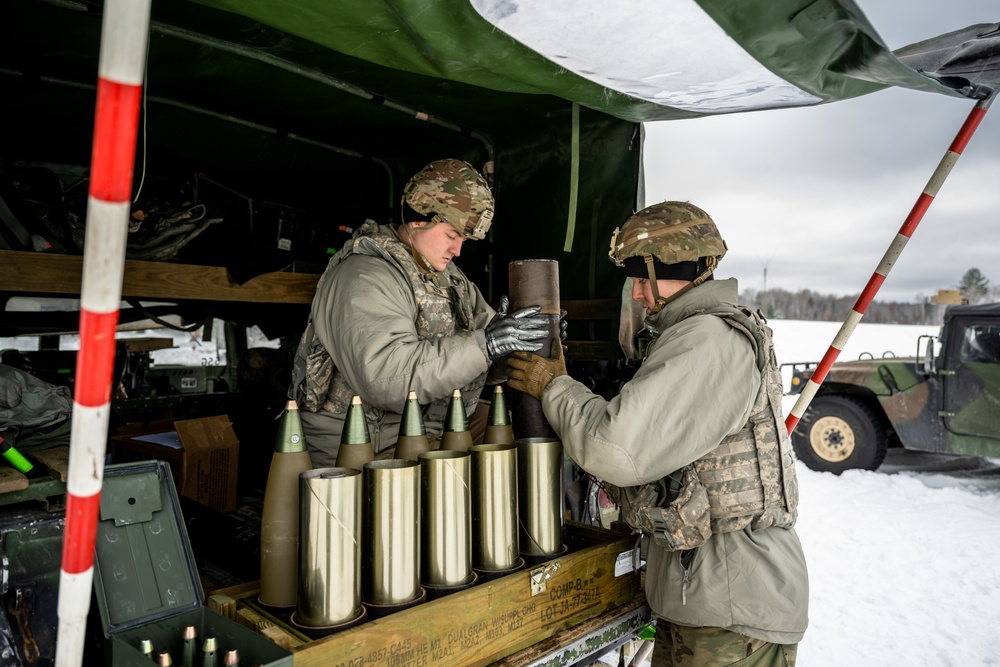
x=393 y=313
x=668 y=241
x=452 y=191
x=695 y=450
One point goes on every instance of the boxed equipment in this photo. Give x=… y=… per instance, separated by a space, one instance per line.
x=203 y=455
x=146 y=581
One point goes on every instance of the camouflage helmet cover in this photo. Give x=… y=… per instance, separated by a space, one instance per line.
x=452 y=191
x=671 y=232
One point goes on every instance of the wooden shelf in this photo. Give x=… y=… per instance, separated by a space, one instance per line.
x=60 y=274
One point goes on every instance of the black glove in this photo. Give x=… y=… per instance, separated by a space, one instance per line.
x=518 y=331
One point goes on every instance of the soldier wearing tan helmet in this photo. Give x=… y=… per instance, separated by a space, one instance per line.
x=694 y=449
x=393 y=313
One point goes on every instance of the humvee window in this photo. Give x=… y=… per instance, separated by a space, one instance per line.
x=981 y=344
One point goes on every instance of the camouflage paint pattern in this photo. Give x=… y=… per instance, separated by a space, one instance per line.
x=452 y=191
x=748 y=480
x=671 y=232
x=681 y=646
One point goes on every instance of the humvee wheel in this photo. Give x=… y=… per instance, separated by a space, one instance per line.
x=840 y=433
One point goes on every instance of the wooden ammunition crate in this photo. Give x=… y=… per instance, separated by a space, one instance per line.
x=476 y=626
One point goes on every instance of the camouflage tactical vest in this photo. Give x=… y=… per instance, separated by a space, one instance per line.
x=441 y=311
x=748 y=480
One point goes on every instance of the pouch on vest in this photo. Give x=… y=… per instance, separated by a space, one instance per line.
x=314 y=377
x=685 y=523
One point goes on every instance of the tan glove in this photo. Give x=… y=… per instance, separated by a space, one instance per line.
x=529 y=373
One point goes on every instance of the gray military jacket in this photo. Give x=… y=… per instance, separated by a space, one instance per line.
x=365 y=315
x=696 y=386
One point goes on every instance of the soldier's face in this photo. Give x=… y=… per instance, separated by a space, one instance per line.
x=642 y=291
x=437 y=244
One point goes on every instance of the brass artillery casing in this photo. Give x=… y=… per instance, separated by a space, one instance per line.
x=540 y=503
x=279 y=525
x=494 y=507
x=446 y=531
x=330 y=546
x=534 y=282
x=391 y=548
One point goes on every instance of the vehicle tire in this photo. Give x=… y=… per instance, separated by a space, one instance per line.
x=839 y=433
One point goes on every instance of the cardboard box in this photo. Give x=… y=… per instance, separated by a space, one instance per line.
x=203 y=455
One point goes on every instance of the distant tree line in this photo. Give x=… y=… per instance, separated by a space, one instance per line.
x=805 y=304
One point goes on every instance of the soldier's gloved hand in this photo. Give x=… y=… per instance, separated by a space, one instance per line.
x=562 y=329
x=531 y=373
x=518 y=331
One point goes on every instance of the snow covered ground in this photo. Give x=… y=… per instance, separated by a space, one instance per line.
x=904 y=566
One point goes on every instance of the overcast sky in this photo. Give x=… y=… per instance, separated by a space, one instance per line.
x=815 y=195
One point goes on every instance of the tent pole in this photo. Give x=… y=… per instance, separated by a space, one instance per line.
x=891 y=255
x=124 y=36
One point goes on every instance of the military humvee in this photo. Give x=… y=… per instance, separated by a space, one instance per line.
x=946 y=399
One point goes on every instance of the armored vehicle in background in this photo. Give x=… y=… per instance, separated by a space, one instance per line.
x=944 y=400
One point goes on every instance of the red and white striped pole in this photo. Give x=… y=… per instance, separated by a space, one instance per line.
x=124 y=34
x=891 y=255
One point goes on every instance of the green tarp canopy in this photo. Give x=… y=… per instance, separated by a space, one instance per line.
x=312 y=114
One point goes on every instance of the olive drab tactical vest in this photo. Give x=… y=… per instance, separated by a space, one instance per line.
x=441 y=311
x=748 y=480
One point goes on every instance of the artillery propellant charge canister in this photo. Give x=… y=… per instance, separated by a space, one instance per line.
x=390 y=571
x=456 y=436
x=494 y=507
x=412 y=440
x=498 y=428
x=534 y=282
x=330 y=547
x=446 y=531
x=540 y=501
x=279 y=525
x=355 y=441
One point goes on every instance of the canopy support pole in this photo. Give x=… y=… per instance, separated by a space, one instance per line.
x=124 y=36
x=891 y=255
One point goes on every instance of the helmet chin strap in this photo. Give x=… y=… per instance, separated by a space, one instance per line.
x=417 y=257
x=659 y=302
